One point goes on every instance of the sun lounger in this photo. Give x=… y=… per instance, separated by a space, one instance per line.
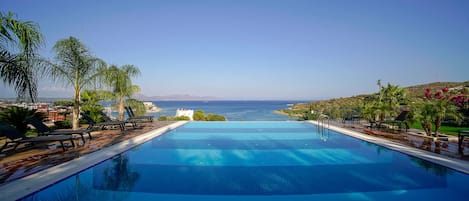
x=102 y=125
x=400 y=119
x=372 y=124
x=132 y=116
x=17 y=138
x=45 y=130
x=133 y=122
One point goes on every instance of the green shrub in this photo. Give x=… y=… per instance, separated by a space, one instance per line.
x=82 y=121
x=90 y=104
x=163 y=118
x=63 y=124
x=182 y=118
x=215 y=117
x=199 y=115
x=16 y=116
x=65 y=103
x=94 y=111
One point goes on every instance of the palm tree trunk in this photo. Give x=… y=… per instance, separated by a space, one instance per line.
x=121 y=108
x=427 y=127
x=437 y=147
x=437 y=125
x=76 y=110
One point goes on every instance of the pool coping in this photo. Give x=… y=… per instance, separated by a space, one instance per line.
x=22 y=187
x=456 y=164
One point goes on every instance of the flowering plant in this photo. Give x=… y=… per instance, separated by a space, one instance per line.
x=439 y=105
x=459 y=97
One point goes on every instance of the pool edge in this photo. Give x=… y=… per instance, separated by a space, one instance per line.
x=22 y=187
x=458 y=165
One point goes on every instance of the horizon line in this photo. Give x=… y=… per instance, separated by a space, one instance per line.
x=234 y=99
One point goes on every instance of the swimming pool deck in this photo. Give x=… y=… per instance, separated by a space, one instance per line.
x=20 y=188
x=459 y=165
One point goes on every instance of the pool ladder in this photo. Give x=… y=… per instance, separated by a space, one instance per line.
x=323 y=124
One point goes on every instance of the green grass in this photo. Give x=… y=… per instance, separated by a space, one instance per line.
x=31 y=133
x=450 y=130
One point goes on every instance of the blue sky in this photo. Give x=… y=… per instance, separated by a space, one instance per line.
x=261 y=49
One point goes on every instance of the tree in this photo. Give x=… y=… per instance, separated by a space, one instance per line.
x=75 y=67
x=390 y=99
x=386 y=102
x=90 y=103
x=215 y=117
x=425 y=114
x=19 y=41
x=119 y=79
x=63 y=103
x=309 y=114
x=370 y=112
x=199 y=115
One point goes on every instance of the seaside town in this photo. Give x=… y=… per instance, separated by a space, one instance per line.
x=55 y=113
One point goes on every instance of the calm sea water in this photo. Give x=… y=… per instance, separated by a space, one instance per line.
x=232 y=110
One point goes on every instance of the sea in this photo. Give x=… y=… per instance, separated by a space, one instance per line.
x=232 y=110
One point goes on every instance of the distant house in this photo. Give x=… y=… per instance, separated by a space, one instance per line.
x=151 y=107
x=185 y=112
x=42 y=107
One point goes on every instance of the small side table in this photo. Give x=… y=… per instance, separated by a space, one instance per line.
x=461 y=135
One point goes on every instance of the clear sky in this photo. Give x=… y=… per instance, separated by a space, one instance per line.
x=261 y=49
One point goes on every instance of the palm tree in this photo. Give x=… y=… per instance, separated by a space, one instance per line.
x=90 y=103
x=445 y=109
x=75 y=67
x=390 y=98
x=119 y=79
x=369 y=111
x=425 y=114
x=138 y=107
x=433 y=111
x=19 y=41
x=441 y=105
x=16 y=116
x=386 y=102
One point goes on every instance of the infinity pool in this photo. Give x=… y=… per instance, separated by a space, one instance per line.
x=260 y=161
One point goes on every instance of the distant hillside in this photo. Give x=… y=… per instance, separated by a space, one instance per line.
x=419 y=90
x=412 y=92
x=39 y=99
x=174 y=97
x=140 y=97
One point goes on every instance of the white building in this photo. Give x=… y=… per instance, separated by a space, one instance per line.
x=185 y=112
x=151 y=108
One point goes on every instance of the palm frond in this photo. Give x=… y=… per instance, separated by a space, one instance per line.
x=21 y=77
x=17 y=65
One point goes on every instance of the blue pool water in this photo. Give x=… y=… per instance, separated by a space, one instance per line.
x=259 y=161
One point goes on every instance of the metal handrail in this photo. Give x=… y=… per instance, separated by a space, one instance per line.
x=323 y=121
